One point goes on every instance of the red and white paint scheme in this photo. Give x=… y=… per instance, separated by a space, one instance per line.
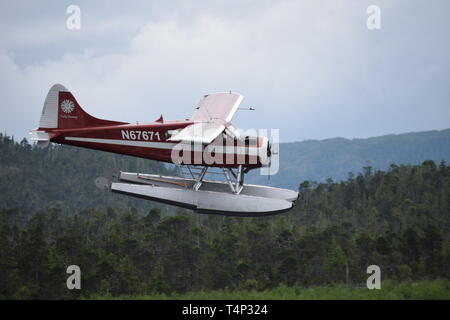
x=207 y=139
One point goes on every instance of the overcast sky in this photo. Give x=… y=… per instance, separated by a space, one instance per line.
x=310 y=68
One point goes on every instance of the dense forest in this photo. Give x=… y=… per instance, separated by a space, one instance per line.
x=64 y=177
x=398 y=219
x=334 y=158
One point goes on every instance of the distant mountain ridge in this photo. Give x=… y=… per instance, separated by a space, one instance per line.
x=334 y=158
x=63 y=176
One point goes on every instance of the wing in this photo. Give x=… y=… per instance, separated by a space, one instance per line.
x=200 y=132
x=221 y=105
x=214 y=111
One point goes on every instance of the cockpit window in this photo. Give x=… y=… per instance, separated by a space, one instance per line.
x=170 y=133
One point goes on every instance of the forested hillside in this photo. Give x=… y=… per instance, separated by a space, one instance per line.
x=398 y=220
x=334 y=158
x=32 y=178
x=63 y=176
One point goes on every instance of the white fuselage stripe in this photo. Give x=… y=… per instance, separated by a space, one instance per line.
x=164 y=145
x=144 y=144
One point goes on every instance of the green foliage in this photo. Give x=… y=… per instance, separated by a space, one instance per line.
x=390 y=290
x=318 y=160
x=398 y=219
x=63 y=176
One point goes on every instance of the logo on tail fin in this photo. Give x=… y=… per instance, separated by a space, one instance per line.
x=67 y=106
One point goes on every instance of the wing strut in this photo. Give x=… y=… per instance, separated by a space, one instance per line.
x=198 y=184
x=236 y=186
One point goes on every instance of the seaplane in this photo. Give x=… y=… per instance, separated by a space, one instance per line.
x=205 y=141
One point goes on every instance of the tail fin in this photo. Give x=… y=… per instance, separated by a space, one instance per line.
x=62 y=111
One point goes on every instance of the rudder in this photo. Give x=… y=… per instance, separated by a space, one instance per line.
x=62 y=111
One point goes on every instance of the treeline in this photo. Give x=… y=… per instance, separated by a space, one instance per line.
x=396 y=219
x=63 y=176
x=380 y=202
x=320 y=159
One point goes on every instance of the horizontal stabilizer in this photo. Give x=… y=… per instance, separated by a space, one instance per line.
x=41 y=138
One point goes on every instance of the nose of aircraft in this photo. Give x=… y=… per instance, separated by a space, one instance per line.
x=265 y=152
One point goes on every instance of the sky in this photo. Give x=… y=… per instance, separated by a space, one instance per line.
x=312 y=69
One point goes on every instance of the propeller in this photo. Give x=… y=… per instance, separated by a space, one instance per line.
x=270 y=153
x=102 y=183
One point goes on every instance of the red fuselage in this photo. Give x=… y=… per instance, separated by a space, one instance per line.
x=63 y=121
x=150 y=141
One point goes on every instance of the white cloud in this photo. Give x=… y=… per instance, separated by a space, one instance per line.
x=311 y=68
